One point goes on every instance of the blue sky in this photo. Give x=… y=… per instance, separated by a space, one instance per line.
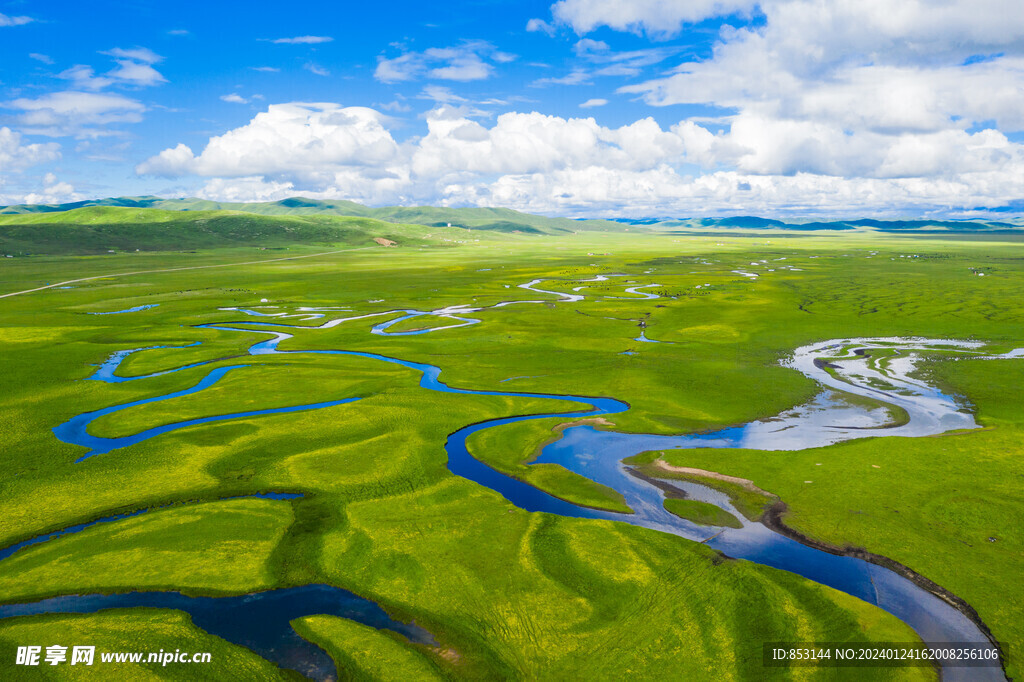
x=581 y=107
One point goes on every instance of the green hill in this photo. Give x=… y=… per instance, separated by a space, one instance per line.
x=496 y=219
x=490 y=220
x=100 y=229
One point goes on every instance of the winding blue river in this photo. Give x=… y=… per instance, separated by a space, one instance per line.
x=840 y=366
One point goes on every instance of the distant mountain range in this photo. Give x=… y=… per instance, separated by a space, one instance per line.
x=504 y=219
x=496 y=219
x=155 y=224
x=755 y=223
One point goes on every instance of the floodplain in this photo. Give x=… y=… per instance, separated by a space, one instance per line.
x=339 y=472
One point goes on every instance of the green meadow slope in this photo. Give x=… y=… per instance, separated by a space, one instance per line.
x=488 y=219
x=507 y=220
x=100 y=229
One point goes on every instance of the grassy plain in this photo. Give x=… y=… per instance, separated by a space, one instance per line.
x=507 y=594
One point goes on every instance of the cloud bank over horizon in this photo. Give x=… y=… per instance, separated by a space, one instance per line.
x=599 y=108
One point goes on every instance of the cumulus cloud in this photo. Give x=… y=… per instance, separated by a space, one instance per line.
x=861 y=89
x=465 y=62
x=306 y=141
x=53 y=191
x=816 y=108
x=246 y=189
x=48 y=189
x=536 y=162
x=234 y=98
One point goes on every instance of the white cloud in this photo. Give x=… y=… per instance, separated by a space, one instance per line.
x=246 y=189
x=299 y=140
x=587 y=46
x=6 y=20
x=465 y=62
x=84 y=111
x=654 y=17
x=75 y=113
x=266 y=69
x=603 y=61
x=134 y=69
x=53 y=191
x=15 y=156
x=235 y=98
x=45 y=59
x=48 y=189
x=574 y=166
x=540 y=26
x=441 y=95
x=395 y=105
x=316 y=69
x=303 y=40
x=84 y=77
x=818 y=30
x=171 y=163
x=140 y=74
x=574 y=77
x=138 y=54
x=817 y=108
x=861 y=90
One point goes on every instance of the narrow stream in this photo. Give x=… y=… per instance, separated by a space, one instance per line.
x=879 y=369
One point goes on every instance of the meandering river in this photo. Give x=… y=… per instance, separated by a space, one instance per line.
x=881 y=369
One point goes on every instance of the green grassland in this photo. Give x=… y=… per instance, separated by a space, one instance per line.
x=367 y=653
x=508 y=594
x=503 y=219
x=102 y=229
x=702 y=513
x=752 y=504
x=918 y=501
x=489 y=219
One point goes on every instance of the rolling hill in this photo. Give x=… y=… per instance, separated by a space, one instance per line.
x=100 y=229
x=492 y=219
x=153 y=223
